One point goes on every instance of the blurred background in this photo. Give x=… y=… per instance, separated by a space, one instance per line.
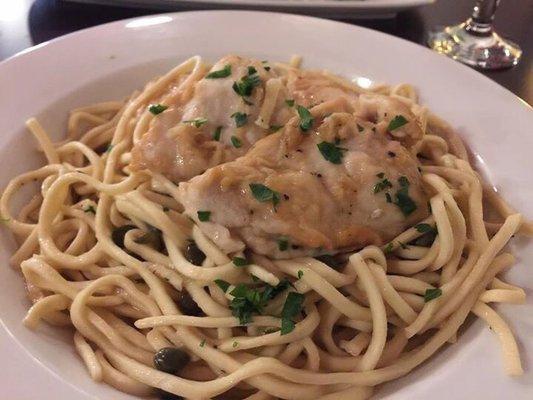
x=24 y=23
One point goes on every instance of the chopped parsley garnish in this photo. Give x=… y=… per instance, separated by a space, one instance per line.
x=275 y=128
x=157 y=108
x=222 y=284
x=197 y=122
x=300 y=274
x=403 y=181
x=306 y=119
x=246 y=85
x=388 y=248
x=397 y=122
x=289 y=102
x=240 y=261
x=221 y=73
x=236 y=142
x=204 y=215
x=235 y=344
x=383 y=184
x=428 y=236
x=432 y=294
x=264 y=194
x=109 y=148
x=89 y=209
x=283 y=244
x=202 y=343
x=216 y=134
x=360 y=128
x=291 y=308
x=423 y=228
x=240 y=118
x=248 y=301
x=402 y=200
x=331 y=152
x=403 y=245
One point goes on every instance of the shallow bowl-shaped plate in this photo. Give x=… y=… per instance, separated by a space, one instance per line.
x=110 y=61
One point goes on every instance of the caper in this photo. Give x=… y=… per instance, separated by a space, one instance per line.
x=152 y=238
x=188 y=306
x=167 y=395
x=331 y=261
x=193 y=254
x=119 y=232
x=170 y=359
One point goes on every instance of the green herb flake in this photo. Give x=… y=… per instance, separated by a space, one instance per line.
x=403 y=245
x=331 y=152
x=109 y=148
x=249 y=301
x=388 y=248
x=235 y=344
x=383 y=184
x=89 y=209
x=236 y=142
x=397 y=122
x=197 y=122
x=221 y=73
x=216 y=134
x=289 y=102
x=222 y=285
x=291 y=308
x=402 y=199
x=202 y=343
x=300 y=274
x=245 y=86
x=432 y=294
x=283 y=244
x=240 y=118
x=306 y=119
x=264 y=194
x=157 y=108
x=423 y=228
x=240 y=261
x=275 y=128
x=204 y=215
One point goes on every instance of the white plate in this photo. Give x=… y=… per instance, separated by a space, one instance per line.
x=330 y=8
x=112 y=60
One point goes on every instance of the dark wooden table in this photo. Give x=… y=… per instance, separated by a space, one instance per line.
x=24 y=23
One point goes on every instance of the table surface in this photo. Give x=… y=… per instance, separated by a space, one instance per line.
x=24 y=23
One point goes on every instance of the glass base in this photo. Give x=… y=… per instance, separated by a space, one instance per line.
x=488 y=51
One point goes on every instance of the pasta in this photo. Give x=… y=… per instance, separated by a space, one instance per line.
x=107 y=249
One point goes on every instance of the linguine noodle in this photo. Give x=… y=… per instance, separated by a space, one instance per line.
x=384 y=312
